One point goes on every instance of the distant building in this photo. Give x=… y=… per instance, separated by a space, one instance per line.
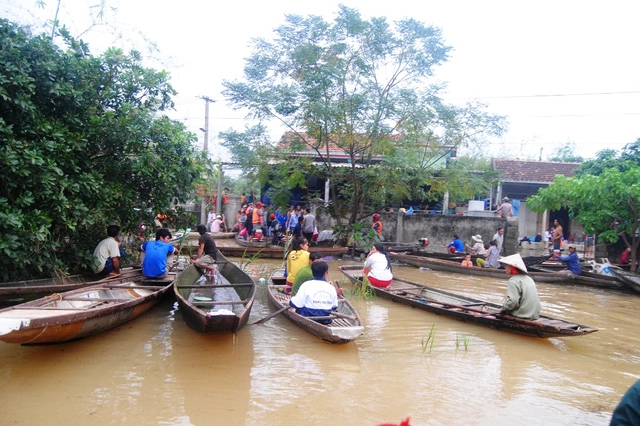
x=520 y=179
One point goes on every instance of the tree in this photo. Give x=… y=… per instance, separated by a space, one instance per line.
x=83 y=145
x=566 y=154
x=607 y=204
x=363 y=87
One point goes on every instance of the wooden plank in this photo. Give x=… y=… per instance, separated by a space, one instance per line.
x=47 y=308
x=97 y=299
x=134 y=287
x=221 y=302
x=215 y=285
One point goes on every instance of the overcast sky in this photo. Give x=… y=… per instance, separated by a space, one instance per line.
x=561 y=71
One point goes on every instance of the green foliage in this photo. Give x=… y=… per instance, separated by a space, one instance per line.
x=357 y=234
x=83 y=145
x=365 y=88
x=427 y=341
x=566 y=154
x=610 y=158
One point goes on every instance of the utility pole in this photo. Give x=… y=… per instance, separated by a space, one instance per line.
x=205 y=149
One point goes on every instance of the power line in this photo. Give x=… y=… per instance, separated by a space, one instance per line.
x=559 y=95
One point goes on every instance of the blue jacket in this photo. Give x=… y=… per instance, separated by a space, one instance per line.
x=457 y=244
x=573 y=262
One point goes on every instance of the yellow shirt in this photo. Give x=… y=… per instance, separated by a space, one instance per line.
x=296 y=260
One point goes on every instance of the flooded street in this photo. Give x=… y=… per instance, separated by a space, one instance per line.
x=155 y=370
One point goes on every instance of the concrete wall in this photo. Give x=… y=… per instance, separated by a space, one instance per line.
x=439 y=229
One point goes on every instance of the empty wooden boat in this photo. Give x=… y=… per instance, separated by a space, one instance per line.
x=14 y=292
x=80 y=313
x=219 y=304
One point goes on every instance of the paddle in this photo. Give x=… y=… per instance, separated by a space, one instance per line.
x=268 y=317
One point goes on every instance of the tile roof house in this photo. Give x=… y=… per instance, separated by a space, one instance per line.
x=520 y=179
x=290 y=141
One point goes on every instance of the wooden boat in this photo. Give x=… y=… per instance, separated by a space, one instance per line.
x=467 y=309
x=629 y=278
x=80 y=313
x=538 y=275
x=218 y=305
x=15 y=292
x=275 y=252
x=253 y=242
x=192 y=237
x=345 y=326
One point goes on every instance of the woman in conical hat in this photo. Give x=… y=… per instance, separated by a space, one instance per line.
x=522 y=298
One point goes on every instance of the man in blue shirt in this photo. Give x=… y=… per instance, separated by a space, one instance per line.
x=154 y=264
x=456 y=245
x=572 y=260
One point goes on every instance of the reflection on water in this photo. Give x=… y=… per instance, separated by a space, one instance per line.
x=155 y=370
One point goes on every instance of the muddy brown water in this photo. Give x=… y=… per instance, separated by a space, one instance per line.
x=155 y=370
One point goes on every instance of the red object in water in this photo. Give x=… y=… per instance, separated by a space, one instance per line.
x=405 y=422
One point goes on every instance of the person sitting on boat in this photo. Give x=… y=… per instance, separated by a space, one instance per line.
x=377 y=267
x=316 y=298
x=306 y=274
x=572 y=260
x=625 y=257
x=377 y=224
x=207 y=251
x=216 y=224
x=467 y=260
x=456 y=245
x=491 y=257
x=108 y=253
x=297 y=258
x=478 y=246
x=156 y=254
x=522 y=298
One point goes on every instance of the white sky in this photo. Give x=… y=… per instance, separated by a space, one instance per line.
x=561 y=71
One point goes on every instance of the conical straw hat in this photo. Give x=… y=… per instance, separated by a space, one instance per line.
x=514 y=260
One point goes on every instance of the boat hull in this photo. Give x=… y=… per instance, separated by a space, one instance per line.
x=80 y=313
x=229 y=302
x=467 y=309
x=341 y=330
x=538 y=274
x=15 y=292
x=275 y=252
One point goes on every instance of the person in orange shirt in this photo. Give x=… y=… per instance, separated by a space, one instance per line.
x=377 y=225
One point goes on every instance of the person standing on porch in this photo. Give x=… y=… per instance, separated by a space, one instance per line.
x=308 y=224
x=557 y=235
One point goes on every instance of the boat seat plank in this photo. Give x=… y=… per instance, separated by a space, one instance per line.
x=97 y=299
x=42 y=311
x=215 y=285
x=222 y=302
x=134 y=287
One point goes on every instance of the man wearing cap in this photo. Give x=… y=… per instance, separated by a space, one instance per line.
x=478 y=246
x=522 y=299
x=505 y=209
x=572 y=260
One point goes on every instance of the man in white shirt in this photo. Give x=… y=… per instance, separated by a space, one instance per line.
x=316 y=298
x=107 y=254
x=499 y=237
